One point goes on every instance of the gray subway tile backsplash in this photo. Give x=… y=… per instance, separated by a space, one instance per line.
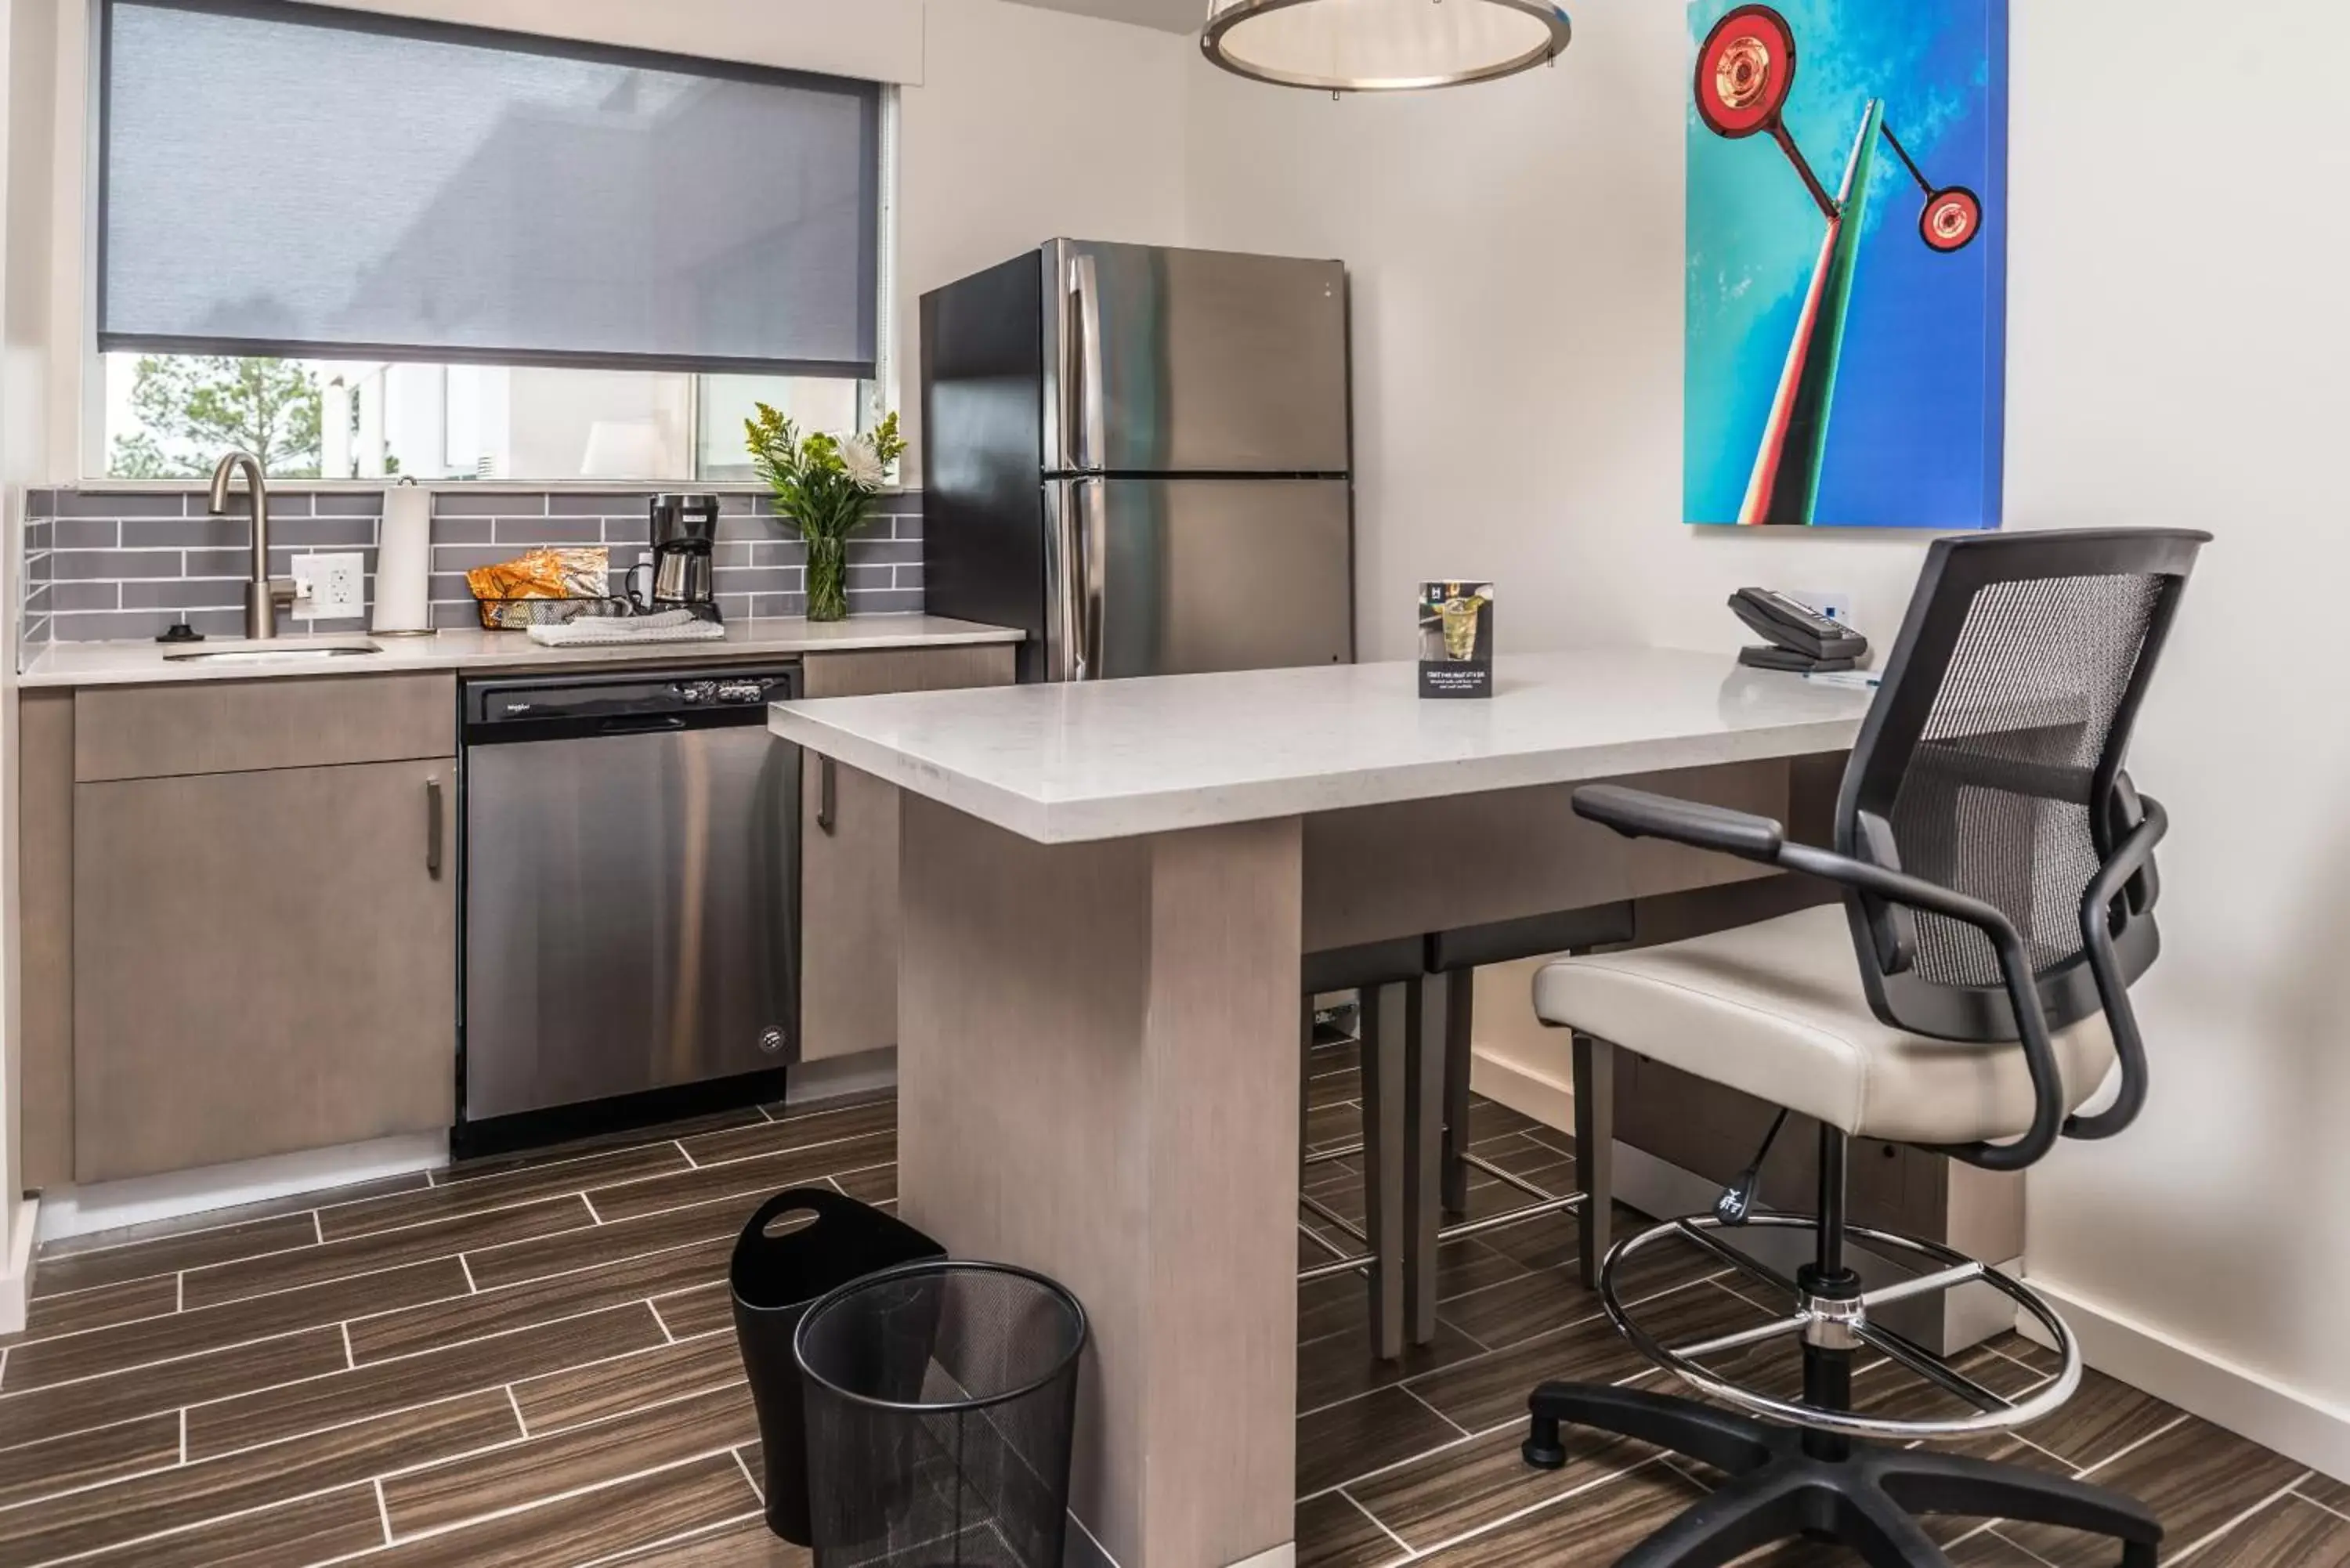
x=528 y=531
x=197 y=533
x=75 y=596
x=494 y=505
x=112 y=565
x=122 y=563
x=577 y=504
x=118 y=504
x=185 y=593
x=87 y=533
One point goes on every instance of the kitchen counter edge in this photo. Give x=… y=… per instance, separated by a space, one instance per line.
x=471 y=650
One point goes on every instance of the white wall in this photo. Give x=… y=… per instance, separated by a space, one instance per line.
x=1030 y=124
x=2177 y=354
x=880 y=40
x=2202 y=380
x=29 y=41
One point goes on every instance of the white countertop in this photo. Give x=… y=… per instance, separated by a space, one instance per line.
x=1114 y=759
x=504 y=652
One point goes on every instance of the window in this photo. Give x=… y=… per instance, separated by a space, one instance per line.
x=372 y=245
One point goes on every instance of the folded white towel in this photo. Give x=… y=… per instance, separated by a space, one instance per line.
x=669 y=626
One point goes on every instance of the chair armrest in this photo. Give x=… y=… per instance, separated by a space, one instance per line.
x=1638 y=814
x=2016 y=973
x=2130 y=856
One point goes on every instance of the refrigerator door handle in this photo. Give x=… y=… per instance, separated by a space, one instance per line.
x=1093 y=566
x=1087 y=418
x=1064 y=641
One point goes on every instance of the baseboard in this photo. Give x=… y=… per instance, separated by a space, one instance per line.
x=1279 y=1557
x=223 y=1190
x=17 y=1284
x=1524 y=1089
x=2311 y=1431
x=841 y=1077
x=1080 y=1550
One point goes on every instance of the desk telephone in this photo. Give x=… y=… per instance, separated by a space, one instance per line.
x=1801 y=638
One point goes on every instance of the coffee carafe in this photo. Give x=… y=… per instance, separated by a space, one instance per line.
x=684 y=528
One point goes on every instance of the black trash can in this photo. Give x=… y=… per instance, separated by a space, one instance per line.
x=941 y=1402
x=775 y=1278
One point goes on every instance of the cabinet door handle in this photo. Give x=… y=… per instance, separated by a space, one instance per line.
x=432 y=826
x=827 y=818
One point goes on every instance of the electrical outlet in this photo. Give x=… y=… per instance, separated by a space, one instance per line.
x=329 y=588
x=1833 y=603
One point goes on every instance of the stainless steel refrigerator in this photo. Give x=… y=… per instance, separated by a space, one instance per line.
x=1141 y=457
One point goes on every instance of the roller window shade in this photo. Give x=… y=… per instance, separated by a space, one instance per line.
x=309 y=182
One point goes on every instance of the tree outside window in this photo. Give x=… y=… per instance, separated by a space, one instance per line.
x=171 y=417
x=193 y=408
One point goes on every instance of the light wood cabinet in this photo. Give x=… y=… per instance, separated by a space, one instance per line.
x=848 y=853
x=263 y=963
x=262 y=894
x=44 y=782
x=247 y=726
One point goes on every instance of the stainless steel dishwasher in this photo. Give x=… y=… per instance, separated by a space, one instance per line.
x=630 y=874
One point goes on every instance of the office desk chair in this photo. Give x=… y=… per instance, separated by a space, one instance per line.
x=1999 y=892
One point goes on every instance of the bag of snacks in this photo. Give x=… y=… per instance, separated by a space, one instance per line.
x=508 y=591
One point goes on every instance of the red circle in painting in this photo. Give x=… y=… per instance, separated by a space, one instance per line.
x=1745 y=69
x=1952 y=218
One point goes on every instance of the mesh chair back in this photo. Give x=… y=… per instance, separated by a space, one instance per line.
x=1991 y=764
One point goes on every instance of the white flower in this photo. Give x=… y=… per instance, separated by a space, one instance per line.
x=862 y=462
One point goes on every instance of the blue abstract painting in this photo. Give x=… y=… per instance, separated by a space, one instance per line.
x=1846 y=263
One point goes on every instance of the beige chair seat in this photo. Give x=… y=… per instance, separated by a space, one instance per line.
x=1776 y=1010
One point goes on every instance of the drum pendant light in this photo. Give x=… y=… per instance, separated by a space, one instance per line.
x=1381 y=45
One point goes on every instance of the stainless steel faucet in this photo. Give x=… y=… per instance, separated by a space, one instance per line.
x=264 y=592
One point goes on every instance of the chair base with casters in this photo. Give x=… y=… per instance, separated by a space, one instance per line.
x=1835 y=1474
x=1786 y=1483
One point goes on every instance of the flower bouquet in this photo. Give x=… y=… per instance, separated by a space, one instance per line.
x=823 y=485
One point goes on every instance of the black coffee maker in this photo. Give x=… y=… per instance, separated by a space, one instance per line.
x=684 y=528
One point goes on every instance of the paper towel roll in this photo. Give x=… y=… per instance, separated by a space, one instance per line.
x=403 y=562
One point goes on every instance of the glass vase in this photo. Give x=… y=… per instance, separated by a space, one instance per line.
x=827 y=578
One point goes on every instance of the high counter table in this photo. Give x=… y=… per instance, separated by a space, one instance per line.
x=1106 y=892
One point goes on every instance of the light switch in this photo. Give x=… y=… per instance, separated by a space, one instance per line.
x=329 y=588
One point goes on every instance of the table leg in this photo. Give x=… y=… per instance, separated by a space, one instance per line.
x=1459 y=989
x=1425 y=1067
x=1385 y=1029
x=1098 y=1079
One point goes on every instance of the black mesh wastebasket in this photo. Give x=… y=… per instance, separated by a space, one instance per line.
x=940 y=1398
x=800 y=1245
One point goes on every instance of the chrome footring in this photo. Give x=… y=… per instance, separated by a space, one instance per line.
x=1342 y=1262
x=1842 y=1324
x=1344 y=1151
x=1357 y=1264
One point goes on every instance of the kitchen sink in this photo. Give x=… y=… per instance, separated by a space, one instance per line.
x=292 y=651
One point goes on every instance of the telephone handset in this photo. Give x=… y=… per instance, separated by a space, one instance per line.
x=1800 y=637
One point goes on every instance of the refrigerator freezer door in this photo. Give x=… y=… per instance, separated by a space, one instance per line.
x=1176 y=362
x=1186 y=576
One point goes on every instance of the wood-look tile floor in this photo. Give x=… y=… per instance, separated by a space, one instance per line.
x=530 y=1362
